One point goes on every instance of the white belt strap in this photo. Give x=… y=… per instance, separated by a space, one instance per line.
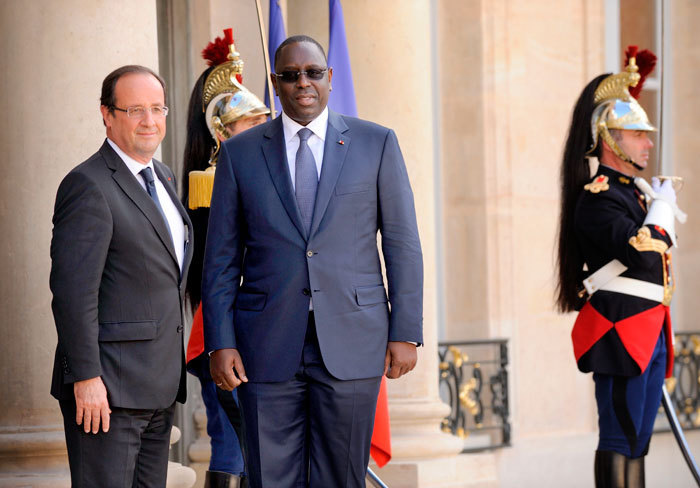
x=604 y=275
x=608 y=278
x=637 y=288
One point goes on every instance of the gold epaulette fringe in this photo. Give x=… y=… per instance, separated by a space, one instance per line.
x=644 y=242
x=201 y=187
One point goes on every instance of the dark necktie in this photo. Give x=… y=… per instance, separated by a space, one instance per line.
x=147 y=175
x=305 y=179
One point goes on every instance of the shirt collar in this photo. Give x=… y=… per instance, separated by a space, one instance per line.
x=134 y=166
x=318 y=126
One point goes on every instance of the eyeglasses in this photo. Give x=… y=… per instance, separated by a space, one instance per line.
x=292 y=76
x=139 y=112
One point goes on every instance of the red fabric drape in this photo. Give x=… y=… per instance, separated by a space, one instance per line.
x=195 y=346
x=380 y=450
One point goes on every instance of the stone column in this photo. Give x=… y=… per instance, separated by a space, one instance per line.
x=680 y=126
x=509 y=87
x=54 y=57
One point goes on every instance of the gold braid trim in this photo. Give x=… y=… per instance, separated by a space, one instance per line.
x=644 y=242
x=201 y=188
x=669 y=281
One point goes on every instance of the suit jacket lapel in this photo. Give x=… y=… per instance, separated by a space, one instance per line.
x=334 y=152
x=125 y=179
x=170 y=188
x=274 y=150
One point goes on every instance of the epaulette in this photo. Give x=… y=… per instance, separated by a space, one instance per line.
x=600 y=183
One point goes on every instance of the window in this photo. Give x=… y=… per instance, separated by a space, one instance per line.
x=640 y=22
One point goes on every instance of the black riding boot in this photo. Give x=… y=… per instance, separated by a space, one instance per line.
x=610 y=470
x=219 y=479
x=635 y=473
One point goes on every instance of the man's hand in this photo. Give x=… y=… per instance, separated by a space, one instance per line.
x=222 y=364
x=401 y=357
x=91 y=405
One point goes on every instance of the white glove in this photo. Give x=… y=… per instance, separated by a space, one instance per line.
x=663 y=206
x=668 y=198
x=663 y=190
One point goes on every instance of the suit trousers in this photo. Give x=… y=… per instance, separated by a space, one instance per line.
x=312 y=430
x=133 y=453
x=627 y=406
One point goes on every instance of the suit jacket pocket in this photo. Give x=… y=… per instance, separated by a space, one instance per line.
x=355 y=188
x=127 y=331
x=246 y=300
x=369 y=295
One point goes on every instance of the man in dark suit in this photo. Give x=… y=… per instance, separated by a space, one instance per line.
x=119 y=259
x=295 y=309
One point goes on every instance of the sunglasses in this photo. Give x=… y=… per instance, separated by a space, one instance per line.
x=292 y=76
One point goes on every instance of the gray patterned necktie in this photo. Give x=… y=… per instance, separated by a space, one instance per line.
x=305 y=179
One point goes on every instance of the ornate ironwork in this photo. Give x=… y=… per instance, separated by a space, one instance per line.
x=684 y=385
x=474 y=382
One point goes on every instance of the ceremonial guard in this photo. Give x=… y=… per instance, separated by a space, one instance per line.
x=614 y=258
x=220 y=107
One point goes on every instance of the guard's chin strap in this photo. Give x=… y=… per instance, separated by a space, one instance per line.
x=640 y=168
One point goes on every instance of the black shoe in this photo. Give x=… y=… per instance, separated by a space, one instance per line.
x=610 y=470
x=219 y=479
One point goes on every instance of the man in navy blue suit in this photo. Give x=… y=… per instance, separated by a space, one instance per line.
x=295 y=309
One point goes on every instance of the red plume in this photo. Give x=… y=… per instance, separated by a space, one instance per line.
x=216 y=51
x=646 y=61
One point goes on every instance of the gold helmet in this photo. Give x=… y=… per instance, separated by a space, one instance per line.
x=615 y=102
x=227 y=108
x=224 y=98
x=224 y=101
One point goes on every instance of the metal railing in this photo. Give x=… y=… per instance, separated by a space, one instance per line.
x=474 y=383
x=684 y=385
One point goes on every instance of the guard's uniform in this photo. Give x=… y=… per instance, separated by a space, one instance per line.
x=614 y=264
x=624 y=339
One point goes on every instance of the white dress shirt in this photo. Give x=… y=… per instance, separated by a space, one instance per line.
x=177 y=226
x=318 y=126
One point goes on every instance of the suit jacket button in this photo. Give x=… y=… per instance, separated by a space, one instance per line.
x=306 y=292
x=309 y=254
x=180 y=328
x=66 y=370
